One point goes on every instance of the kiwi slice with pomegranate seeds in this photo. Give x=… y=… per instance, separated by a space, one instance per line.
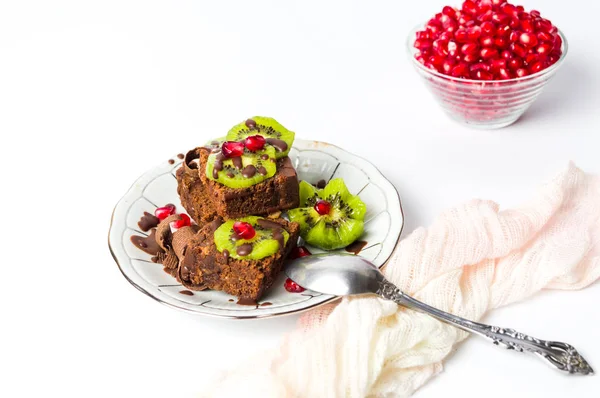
x=330 y=218
x=242 y=171
x=274 y=133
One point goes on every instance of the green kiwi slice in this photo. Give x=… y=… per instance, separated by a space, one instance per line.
x=266 y=242
x=340 y=227
x=275 y=134
x=244 y=171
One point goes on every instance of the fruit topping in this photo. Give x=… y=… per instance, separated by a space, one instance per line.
x=250 y=238
x=184 y=221
x=244 y=171
x=232 y=149
x=299 y=251
x=255 y=142
x=323 y=207
x=163 y=212
x=482 y=32
x=275 y=134
x=339 y=221
x=244 y=230
x=292 y=286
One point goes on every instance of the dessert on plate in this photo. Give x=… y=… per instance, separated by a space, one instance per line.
x=247 y=211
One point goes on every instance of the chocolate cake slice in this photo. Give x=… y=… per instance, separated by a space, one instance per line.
x=203 y=266
x=204 y=198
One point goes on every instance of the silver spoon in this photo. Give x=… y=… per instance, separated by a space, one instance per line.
x=346 y=275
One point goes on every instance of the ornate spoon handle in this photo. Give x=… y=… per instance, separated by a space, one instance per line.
x=561 y=355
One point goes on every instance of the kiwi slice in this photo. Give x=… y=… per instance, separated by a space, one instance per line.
x=265 y=242
x=340 y=227
x=276 y=135
x=244 y=171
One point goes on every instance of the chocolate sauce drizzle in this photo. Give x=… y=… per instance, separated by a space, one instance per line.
x=277 y=230
x=245 y=301
x=321 y=184
x=356 y=247
x=244 y=250
x=262 y=170
x=237 y=162
x=147 y=243
x=148 y=221
x=186 y=293
x=249 y=171
x=181 y=156
x=280 y=145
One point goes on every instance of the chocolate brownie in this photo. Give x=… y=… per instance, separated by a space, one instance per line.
x=204 y=198
x=203 y=266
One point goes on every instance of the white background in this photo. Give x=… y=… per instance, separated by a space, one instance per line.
x=94 y=93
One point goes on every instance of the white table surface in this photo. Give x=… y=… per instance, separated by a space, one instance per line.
x=94 y=93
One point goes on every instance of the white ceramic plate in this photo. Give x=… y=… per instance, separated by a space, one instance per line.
x=313 y=161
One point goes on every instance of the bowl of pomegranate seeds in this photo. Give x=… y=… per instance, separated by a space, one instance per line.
x=487 y=61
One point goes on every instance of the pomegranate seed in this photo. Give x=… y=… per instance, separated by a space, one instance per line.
x=292 y=286
x=500 y=18
x=514 y=36
x=244 y=230
x=518 y=50
x=452 y=48
x=554 y=56
x=483 y=75
x=423 y=35
x=469 y=48
x=486 y=41
x=527 y=26
x=535 y=13
x=461 y=35
x=470 y=58
x=498 y=64
x=521 y=72
x=504 y=74
x=255 y=143
x=422 y=44
x=544 y=49
x=232 y=149
x=514 y=23
x=449 y=11
x=473 y=33
x=447 y=36
x=503 y=31
x=532 y=59
x=558 y=43
x=440 y=48
x=488 y=28
x=484 y=6
x=545 y=36
x=464 y=19
x=479 y=66
x=460 y=70
x=545 y=26
x=501 y=42
x=528 y=39
x=508 y=9
x=535 y=68
x=470 y=7
x=436 y=60
x=515 y=63
x=497 y=3
x=431 y=66
x=299 y=251
x=184 y=221
x=488 y=53
x=486 y=16
x=163 y=212
x=420 y=58
x=506 y=54
x=448 y=65
x=323 y=207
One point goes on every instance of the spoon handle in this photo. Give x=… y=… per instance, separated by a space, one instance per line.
x=561 y=355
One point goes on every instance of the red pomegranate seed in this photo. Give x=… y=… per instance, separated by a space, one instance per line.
x=503 y=31
x=431 y=66
x=486 y=16
x=449 y=11
x=163 y=212
x=558 y=43
x=460 y=70
x=244 y=230
x=504 y=74
x=448 y=65
x=473 y=33
x=501 y=42
x=518 y=49
x=436 y=60
x=535 y=13
x=486 y=41
x=423 y=35
x=488 y=53
x=422 y=44
x=521 y=72
x=528 y=39
x=554 y=56
x=440 y=47
x=535 y=68
x=469 y=48
x=464 y=19
x=532 y=58
x=452 y=48
x=232 y=149
x=508 y=9
x=299 y=251
x=292 y=286
x=483 y=75
x=184 y=221
x=514 y=36
x=461 y=35
x=520 y=9
x=420 y=58
x=500 y=18
x=514 y=23
x=323 y=207
x=484 y=6
x=488 y=28
x=497 y=3
x=470 y=7
x=545 y=26
x=447 y=36
x=545 y=36
x=255 y=143
x=498 y=64
x=506 y=54
x=479 y=66
x=470 y=58
x=515 y=63
x=527 y=25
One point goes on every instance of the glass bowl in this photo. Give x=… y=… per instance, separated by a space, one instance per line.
x=484 y=104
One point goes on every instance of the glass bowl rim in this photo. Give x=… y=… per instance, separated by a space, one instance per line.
x=411 y=52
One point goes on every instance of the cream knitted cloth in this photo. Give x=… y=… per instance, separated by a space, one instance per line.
x=474 y=258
